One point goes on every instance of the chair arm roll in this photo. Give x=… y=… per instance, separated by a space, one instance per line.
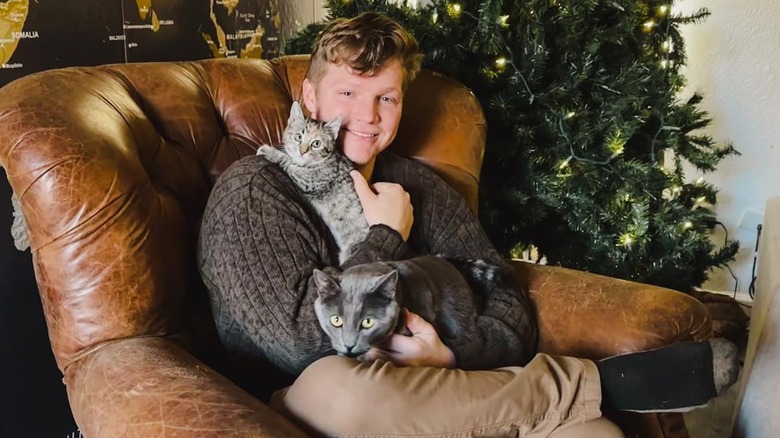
x=593 y=316
x=149 y=386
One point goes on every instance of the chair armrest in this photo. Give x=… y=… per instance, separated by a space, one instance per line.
x=152 y=387
x=593 y=316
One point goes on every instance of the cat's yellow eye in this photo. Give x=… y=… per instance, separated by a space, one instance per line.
x=336 y=321
x=297 y=137
x=316 y=144
x=368 y=323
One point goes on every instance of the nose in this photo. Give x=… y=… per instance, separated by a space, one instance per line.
x=350 y=352
x=367 y=111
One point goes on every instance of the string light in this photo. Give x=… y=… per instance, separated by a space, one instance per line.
x=434 y=17
x=501 y=63
x=649 y=25
x=565 y=162
x=667 y=46
x=688 y=225
x=570 y=114
x=455 y=9
x=503 y=21
x=700 y=180
x=663 y=10
x=626 y=240
x=664 y=63
x=616 y=144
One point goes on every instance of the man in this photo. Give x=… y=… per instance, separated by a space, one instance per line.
x=260 y=243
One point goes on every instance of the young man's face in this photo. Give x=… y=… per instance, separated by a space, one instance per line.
x=370 y=107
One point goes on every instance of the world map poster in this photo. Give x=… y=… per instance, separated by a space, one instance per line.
x=38 y=35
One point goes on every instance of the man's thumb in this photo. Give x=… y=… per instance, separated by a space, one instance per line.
x=415 y=323
x=361 y=186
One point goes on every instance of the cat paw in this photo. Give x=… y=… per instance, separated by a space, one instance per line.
x=264 y=151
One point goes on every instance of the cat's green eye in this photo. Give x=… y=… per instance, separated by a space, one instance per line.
x=316 y=144
x=336 y=321
x=297 y=137
x=368 y=323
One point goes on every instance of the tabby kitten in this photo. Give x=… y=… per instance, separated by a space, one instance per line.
x=361 y=306
x=310 y=157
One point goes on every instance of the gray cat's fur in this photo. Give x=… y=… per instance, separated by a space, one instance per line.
x=429 y=286
x=310 y=157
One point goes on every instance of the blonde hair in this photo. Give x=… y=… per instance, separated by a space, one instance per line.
x=365 y=44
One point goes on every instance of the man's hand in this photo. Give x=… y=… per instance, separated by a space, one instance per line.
x=422 y=348
x=387 y=204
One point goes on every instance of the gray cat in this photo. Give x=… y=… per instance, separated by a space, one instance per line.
x=362 y=306
x=310 y=157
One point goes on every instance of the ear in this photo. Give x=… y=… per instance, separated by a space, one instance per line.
x=326 y=285
x=309 y=94
x=332 y=127
x=387 y=284
x=296 y=114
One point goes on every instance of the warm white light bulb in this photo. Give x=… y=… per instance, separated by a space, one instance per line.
x=503 y=21
x=501 y=62
x=688 y=225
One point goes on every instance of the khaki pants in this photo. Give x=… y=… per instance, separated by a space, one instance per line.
x=558 y=396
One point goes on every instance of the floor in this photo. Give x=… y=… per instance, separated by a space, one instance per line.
x=714 y=420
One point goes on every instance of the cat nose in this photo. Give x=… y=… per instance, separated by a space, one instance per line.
x=304 y=148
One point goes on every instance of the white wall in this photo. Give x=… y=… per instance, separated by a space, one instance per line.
x=734 y=61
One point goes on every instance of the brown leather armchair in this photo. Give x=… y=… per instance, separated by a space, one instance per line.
x=113 y=166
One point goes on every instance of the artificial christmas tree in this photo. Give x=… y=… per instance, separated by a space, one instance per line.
x=586 y=137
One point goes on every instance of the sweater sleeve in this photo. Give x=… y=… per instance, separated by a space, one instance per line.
x=382 y=244
x=445 y=225
x=257 y=250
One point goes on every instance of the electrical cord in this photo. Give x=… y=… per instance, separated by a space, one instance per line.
x=725 y=240
x=752 y=287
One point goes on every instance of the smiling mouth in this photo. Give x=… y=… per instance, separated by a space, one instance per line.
x=361 y=134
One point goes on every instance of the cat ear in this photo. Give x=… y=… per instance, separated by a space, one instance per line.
x=296 y=113
x=333 y=127
x=326 y=285
x=387 y=284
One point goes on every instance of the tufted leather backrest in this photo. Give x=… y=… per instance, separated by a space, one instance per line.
x=113 y=166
